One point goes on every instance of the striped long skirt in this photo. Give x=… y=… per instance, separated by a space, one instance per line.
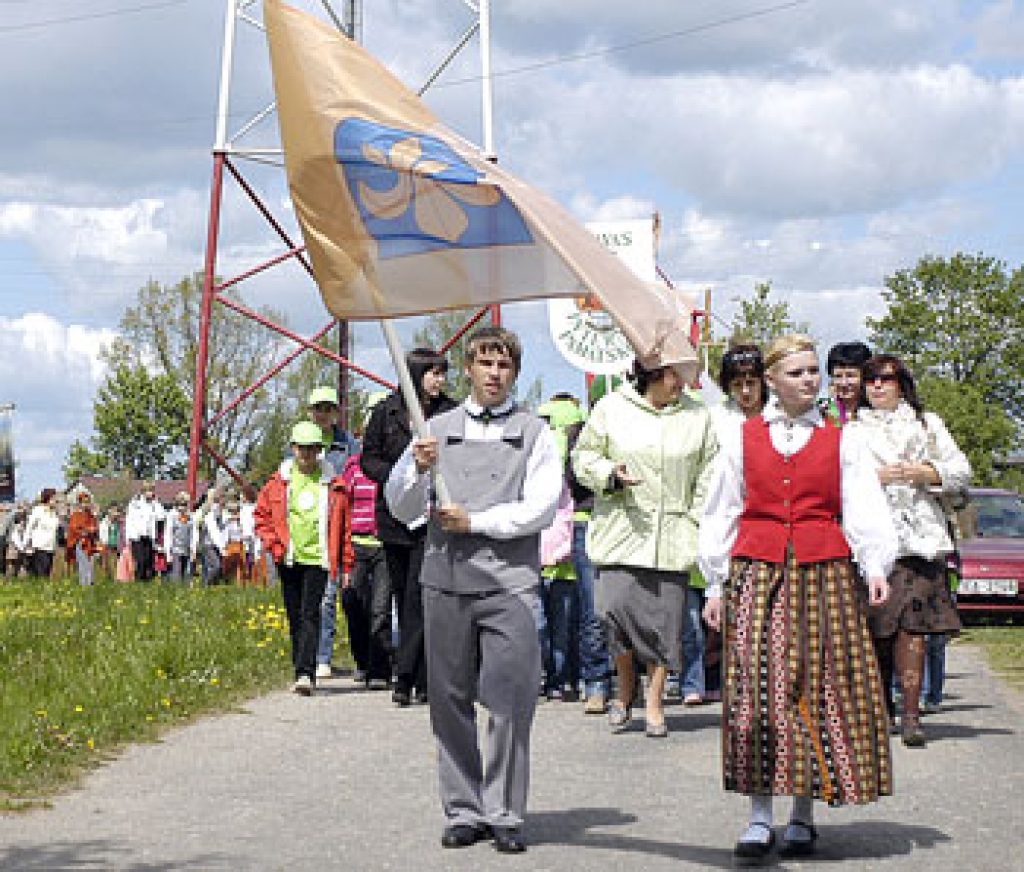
x=803 y=708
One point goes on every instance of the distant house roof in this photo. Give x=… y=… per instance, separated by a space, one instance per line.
x=116 y=489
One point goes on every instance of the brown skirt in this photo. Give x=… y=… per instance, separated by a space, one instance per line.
x=803 y=712
x=919 y=601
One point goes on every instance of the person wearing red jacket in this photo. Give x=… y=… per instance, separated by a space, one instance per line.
x=303 y=519
x=82 y=538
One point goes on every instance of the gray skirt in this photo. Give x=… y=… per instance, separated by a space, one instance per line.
x=642 y=612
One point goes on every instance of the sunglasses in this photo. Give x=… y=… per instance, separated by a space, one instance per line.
x=883 y=377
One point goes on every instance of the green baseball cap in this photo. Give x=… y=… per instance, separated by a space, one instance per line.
x=307 y=433
x=323 y=395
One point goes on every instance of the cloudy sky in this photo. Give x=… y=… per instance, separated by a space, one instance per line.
x=821 y=145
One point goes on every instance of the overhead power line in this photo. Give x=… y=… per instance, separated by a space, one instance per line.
x=91 y=16
x=626 y=46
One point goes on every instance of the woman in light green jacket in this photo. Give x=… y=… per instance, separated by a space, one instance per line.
x=646 y=452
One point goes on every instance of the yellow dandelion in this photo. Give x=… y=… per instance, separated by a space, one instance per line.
x=91 y=743
x=165 y=701
x=41 y=713
x=149 y=717
x=78 y=708
x=215 y=680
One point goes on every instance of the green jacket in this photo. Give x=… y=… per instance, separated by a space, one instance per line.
x=653 y=524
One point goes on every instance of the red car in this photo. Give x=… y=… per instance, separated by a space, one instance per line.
x=992 y=570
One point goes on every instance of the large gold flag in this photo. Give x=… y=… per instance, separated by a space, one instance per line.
x=402 y=216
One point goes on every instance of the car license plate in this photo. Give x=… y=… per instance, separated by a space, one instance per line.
x=988 y=586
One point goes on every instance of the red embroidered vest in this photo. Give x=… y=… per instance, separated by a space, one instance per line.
x=794 y=499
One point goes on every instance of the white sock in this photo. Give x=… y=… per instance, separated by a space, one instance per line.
x=759 y=828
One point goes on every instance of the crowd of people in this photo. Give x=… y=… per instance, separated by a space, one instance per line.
x=786 y=554
x=68 y=535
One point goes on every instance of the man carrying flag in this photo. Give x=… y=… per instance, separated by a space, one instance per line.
x=480 y=578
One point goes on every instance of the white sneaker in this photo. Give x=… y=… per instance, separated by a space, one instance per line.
x=303 y=686
x=323 y=670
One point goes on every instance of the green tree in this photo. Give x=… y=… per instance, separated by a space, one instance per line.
x=758 y=320
x=761 y=321
x=141 y=424
x=83 y=460
x=161 y=332
x=959 y=325
x=982 y=435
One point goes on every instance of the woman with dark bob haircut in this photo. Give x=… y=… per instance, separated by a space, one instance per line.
x=916 y=460
x=845 y=381
x=742 y=379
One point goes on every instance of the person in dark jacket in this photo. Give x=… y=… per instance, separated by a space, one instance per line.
x=388 y=433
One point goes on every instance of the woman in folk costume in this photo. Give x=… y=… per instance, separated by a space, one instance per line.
x=803 y=707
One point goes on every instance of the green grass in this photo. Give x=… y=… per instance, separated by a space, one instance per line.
x=87 y=670
x=1004 y=650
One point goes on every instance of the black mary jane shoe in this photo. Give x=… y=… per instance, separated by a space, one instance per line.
x=509 y=840
x=800 y=847
x=464 y=835
x=753 y=852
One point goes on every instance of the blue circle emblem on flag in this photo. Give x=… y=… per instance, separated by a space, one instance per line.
x=415 y=194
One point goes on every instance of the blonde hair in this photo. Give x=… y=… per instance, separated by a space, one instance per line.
x=784 y=346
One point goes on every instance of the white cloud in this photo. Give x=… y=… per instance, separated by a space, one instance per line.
x=50 y=371
x=848 y=141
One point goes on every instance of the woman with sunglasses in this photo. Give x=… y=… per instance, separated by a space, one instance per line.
x=793 y=497
x=916 y=458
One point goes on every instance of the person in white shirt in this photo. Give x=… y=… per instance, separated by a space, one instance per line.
x=480 y=578
x=792 y=499
x=41 y=534
x=141 y=519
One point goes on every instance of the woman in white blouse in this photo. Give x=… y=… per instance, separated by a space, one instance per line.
x=41 y=534
x=914 y=456
x=803 y=708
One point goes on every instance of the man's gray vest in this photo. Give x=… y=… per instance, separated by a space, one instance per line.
x=481 y=474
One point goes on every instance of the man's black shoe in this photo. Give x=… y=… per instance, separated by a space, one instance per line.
x=400 y=697
x=509 y=841
x=464 y=835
